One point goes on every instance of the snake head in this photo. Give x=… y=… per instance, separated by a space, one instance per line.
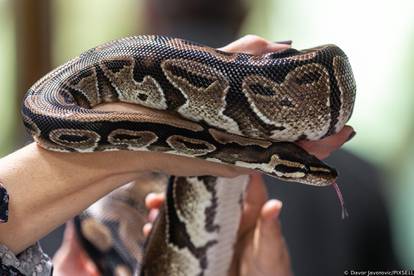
x=320 y=175
x=289 y=162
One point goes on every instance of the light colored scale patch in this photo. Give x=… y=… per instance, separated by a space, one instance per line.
x=138 y=140
x=88 y=87
x=301 y=108
x=347 y=87
x=228 y=215
x=121 y=270
x=97 y=233
x=203 y=103
x=88 y=140
x=273 y=162
x=176 y=262
x=147 y=93
x=191 y=209
x=318 y=169
x=180 y=144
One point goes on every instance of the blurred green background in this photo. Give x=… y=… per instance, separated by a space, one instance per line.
x=378 y=37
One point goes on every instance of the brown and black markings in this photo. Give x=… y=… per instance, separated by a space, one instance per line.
x=224 y=95
x=181 y=240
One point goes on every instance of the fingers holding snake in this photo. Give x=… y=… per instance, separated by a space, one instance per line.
x=254 y=45
x=324 y=147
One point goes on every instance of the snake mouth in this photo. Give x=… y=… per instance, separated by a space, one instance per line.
x=323 y=179
x=321 y=175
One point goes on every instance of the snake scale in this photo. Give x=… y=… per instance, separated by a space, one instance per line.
x=231 y=108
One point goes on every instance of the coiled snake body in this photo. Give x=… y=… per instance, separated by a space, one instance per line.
x=231 y=108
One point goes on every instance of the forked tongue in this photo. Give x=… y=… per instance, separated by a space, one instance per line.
x=341 y=201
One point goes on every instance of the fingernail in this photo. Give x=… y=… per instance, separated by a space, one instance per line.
x=351 y=135
x=286 y=42
x=277 y=216
x=149 y=197
x=4 y=204
x=278 y=205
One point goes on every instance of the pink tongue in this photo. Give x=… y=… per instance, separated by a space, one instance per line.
x=341 y=200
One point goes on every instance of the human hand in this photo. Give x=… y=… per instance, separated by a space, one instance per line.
x=71 y=259
x=259 y=237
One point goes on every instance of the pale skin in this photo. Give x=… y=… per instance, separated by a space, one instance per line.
x=48 y=188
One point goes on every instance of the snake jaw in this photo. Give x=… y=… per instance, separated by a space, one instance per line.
x=321 y=178
x=289 y=162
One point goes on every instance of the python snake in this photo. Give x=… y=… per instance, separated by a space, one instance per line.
x=231 y=108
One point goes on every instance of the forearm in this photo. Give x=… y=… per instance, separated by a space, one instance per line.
x=47 y=188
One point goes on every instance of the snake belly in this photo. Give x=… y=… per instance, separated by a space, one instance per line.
x=231 y=108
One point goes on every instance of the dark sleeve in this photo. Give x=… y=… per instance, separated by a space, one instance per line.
x=4 y=204
x=31 y=261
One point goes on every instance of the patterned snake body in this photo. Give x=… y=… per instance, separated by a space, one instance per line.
x=200 y=102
